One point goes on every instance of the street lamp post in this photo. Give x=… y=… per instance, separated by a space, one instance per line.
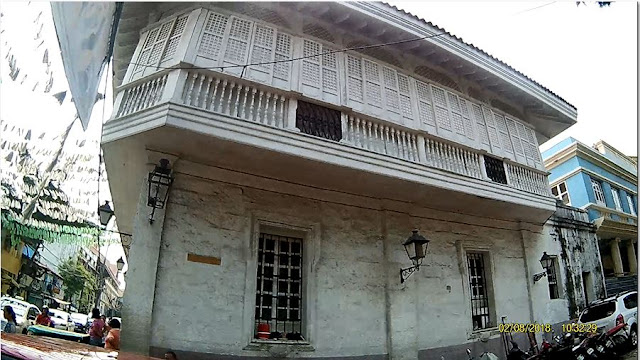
x=105 y=213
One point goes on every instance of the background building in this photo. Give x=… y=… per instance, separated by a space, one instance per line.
x=602 y=181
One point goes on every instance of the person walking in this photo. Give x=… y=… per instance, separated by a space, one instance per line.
x=112 y=342
x=44 y=319
x=96 y=332
x=10 y=316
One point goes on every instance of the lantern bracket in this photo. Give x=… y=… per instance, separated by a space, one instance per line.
x=538 y=276
x=406 y=272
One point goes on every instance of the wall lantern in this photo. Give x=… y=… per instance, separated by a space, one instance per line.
x=106 y=213
x=120 y=264
x=416 y=247
x=545 y=261
x=160 y=181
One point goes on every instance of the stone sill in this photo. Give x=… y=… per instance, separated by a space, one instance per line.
x=484 y=334
x=266 y=345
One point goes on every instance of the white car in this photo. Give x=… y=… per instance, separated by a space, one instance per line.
x=61 y=320
x=25 y=314
x=608 y=313
x=81 y=321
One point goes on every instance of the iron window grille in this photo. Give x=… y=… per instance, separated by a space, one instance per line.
x=495 y=169
x=480 y=311
x=319 y=121
x=598 y=192
x=616 y=199
x=632 y=207
x=552 y=277
x=561 y=192
x=279 y=286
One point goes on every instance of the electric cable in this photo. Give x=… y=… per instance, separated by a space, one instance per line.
x=222 y=68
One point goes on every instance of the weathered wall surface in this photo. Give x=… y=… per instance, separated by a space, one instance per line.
x=355 y=252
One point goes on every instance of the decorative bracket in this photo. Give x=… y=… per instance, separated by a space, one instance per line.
x=405 y=273
x=538 y=276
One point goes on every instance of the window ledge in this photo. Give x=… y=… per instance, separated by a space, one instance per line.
x=484 y=334
x=266 y=345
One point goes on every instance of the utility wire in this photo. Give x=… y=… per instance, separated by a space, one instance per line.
x=222 y=68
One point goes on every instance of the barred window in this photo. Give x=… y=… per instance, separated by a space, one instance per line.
x=279 y=288
x=480 y=304
x=552 y=277
x=597 y=191
x=561 y=192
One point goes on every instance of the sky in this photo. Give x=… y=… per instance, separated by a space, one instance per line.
x=23 y=102
x=585 y=54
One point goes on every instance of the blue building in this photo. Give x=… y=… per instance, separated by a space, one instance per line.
x=603 y=181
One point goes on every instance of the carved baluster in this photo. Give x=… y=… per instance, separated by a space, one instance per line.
x=265 y=118
x=392 y=143
x=435 y=157
x=369 y=138
x=135 y=100
x=146 y=94
x=197 y=99
x=236 y=105
x=414 y=147
x=446 y=161
x=143 y=94
x=376 y=140
x=405 y=145
x=462 y=169
x=253 y=99
x=230 y=99
x=427 y=151
x=243 y=108
x=267 y=112
x=273 y=110
x=281 y=118
x=163 y=83
x=259 y=108
x=130 y=101
x=205 y=99
x=358 y=134
x=126 y=100
x=220 y=104
x=349 y=129
x=190 y=91
x=213 y=97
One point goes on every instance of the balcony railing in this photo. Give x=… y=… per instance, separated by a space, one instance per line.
x=245 y=100
x=614 y=215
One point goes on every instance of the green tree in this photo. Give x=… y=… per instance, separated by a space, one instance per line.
x=75 y=278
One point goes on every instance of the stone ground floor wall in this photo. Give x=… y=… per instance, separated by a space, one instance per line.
x=354 y=304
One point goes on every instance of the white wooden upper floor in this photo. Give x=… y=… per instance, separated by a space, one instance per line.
x=436 y=101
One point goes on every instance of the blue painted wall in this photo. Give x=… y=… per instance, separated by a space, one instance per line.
x=579 y=185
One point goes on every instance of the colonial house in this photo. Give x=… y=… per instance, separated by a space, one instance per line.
x=603 y=181
x=297 y=156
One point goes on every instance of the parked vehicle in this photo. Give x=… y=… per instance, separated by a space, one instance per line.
x=26 y=313
x=613 y=311
x=81 y=322
x=585 y=350
x=61 y=320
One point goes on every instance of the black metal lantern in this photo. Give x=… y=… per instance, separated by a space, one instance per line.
x=160 y=181
x=120 y=264
x=106 y=213
x=416 y=248
x=546 y=261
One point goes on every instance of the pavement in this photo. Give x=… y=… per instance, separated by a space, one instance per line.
x=633 y=355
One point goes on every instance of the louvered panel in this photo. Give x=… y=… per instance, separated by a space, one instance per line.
x=424 y=103
x=238 y=42
x=213 y=35
x=405 y=96
x=282 y=69
x=491 y=128
x=354 y=82
x=262 y=48
x=174 y=39
x=526 y=145
x=480 y=124
x=311 y=65
x=372 y=83
x=441 y=111
x=504 y=134
x=158 y=47
x=330 y=71
x=535 y=147
x=515 y=137
x=468 y=123
x=391 y=90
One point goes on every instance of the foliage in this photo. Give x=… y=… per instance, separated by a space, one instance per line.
x=76 y=278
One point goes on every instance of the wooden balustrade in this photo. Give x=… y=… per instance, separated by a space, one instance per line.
x=233 y=98
x=241 y=99
x=381 y=138
x=452 y=158
x=527 y=179
x=143 y=95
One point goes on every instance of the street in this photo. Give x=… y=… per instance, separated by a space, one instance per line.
x=632 y=355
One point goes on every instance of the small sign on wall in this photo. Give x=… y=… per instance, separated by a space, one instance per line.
x=203 y=259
